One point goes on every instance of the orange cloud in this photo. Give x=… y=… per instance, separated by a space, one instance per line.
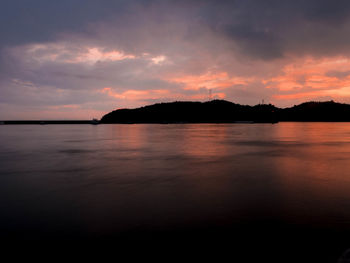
x=64 y=53
x=65 y=106
x=139 y=95
x=135 y=94
x=70 y=54
x=158 y=60
x=311 y=73
x=311 y=78
x=209 y=80
x=95 y=54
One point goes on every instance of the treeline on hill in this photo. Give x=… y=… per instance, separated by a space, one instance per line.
x=221 y=111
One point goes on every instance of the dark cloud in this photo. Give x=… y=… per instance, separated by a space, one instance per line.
x=41 y=43
x=338 y=74
x=259 y=43
x=263 y=29
x=24 y=21
x=271 y=29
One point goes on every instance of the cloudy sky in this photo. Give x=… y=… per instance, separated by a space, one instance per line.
x=79 y=59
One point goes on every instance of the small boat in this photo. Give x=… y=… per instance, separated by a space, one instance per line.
x=94 y=121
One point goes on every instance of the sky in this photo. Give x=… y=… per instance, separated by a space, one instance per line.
x=80 y=59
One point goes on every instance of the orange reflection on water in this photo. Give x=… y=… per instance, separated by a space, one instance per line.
x=314 y=169
x=205 y=140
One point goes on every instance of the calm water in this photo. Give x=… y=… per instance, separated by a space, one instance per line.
x=259 y=186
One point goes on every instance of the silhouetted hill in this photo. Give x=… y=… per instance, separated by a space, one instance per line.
x=216 y=111
x=221 y=111
x=316 y=111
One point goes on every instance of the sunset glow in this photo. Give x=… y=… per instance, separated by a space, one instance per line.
x=311 y=79
x=175 y=51
x=209 y=80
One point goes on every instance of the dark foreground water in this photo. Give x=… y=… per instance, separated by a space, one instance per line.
x=251 y=192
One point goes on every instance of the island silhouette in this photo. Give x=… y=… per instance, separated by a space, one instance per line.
x=214 y=111
x=222 y=111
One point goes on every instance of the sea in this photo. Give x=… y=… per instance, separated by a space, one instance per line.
x=247 y=192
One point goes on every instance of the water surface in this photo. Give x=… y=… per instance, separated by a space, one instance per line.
x=253 y=187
